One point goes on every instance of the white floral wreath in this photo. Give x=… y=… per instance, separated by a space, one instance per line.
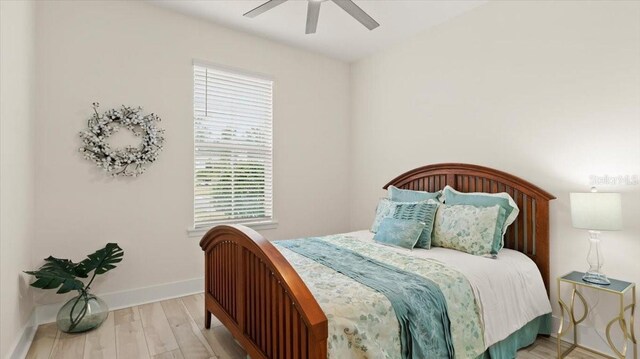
x=128 y=161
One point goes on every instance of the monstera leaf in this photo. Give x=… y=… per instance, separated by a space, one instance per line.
x=102 y=260
x=64 y=273
x=56 y=273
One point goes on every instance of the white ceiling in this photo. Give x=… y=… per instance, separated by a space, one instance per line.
x=339 y=35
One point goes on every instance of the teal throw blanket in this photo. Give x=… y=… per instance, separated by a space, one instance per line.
x=418 y=303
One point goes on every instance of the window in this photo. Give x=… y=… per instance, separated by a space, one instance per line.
x=233 y=147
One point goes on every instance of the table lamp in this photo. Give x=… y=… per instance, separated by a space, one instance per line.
x=596 y=212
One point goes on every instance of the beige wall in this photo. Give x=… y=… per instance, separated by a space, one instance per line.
x=17 y=181
x=137 y=54
x=548 y=91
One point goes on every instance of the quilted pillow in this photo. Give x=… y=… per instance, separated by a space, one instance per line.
x=387 y=208
x=422 y=212
x=466 y=228
x=482 y=199
x=399 y=232
x=405 y=195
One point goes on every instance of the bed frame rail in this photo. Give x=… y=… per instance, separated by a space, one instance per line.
x=256 y=294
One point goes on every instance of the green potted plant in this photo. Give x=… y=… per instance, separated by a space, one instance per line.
x=85 y=311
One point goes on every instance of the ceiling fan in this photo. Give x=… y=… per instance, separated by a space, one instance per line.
x=313 y=10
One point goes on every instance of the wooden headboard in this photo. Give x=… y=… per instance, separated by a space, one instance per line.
x=529 y=234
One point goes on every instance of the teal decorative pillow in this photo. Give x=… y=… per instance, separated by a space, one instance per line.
x=481 y=199
x=385 y=209
x=422 y=212
x=404 y=195
x=466 y=228
x=399 y=232
x=408 y=210
x=501 y=228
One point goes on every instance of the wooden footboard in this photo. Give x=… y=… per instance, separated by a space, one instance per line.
x=253 y=290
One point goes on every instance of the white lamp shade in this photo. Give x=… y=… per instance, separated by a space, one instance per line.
x=596 y=211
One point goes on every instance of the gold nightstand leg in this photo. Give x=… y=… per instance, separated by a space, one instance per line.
x=584 y=305
x=573 y=323
x=628 y=334
x=632 y=334
x=560 y=333
x=623 y=326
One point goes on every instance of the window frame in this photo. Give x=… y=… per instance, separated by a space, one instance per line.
x=268 y=223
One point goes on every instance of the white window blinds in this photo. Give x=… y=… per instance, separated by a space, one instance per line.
x=233 y=147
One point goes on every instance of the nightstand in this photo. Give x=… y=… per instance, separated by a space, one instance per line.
x=617 y=287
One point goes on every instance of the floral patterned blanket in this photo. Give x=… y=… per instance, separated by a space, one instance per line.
x=363 y=321
x=418 y=303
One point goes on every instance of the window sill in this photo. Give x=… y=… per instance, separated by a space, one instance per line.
x=271 y=224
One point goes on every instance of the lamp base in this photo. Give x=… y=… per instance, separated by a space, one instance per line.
x=594 y=274
x=596 y=278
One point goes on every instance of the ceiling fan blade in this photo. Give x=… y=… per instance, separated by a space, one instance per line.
x=357 y=13
x=313 y=11
x=264 y=7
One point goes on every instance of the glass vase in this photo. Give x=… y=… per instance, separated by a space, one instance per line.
x=82 y=313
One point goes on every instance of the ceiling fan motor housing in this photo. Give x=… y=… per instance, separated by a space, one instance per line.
x=313 y=12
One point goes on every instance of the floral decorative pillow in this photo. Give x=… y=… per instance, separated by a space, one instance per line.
x=481 y=199
x=466 y=228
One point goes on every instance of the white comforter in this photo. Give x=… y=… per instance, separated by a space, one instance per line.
x=509 y=289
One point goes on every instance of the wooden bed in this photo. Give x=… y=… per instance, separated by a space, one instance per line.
x=252 y=289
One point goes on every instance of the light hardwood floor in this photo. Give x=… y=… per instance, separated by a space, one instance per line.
x=174 y=329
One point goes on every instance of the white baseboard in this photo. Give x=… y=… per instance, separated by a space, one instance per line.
x=129 y=298
x=27 y=333
x=589 y=337
x=117 y=300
